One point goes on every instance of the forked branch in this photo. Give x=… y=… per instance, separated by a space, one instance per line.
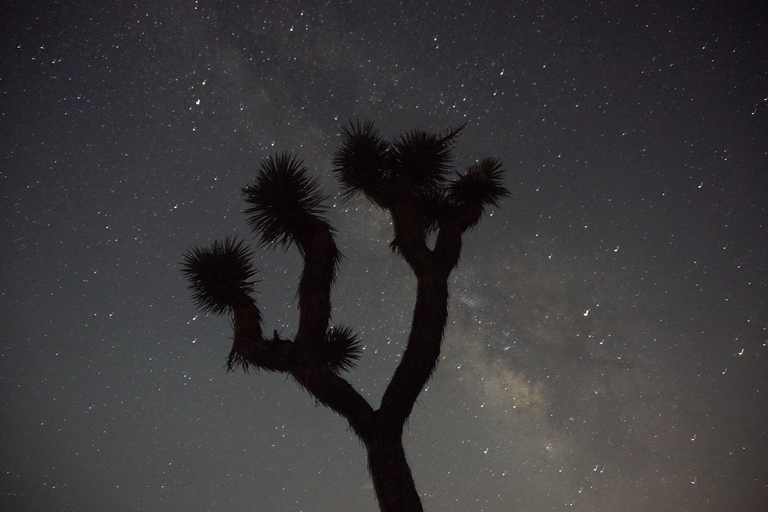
x=409 y=178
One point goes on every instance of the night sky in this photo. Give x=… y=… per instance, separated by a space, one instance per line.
x=607 y=346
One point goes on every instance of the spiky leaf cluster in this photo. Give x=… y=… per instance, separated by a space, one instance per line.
x=421 y=160
x=284 y=201
x=481 y=185
x=360 y=163
x=409 y=177
x=416 y=163
x=341 y=349
x=220 y=275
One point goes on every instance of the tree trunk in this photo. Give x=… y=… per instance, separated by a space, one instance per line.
x=392 y=481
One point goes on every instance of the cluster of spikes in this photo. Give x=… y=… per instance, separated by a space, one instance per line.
x=283 y=201
x=285 y=207
x=415 y=167
x=220 y=276
x=339 y=351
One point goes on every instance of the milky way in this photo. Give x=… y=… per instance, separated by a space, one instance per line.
x=608 y=334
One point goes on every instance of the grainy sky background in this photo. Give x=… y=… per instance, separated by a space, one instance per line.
x=607 y=347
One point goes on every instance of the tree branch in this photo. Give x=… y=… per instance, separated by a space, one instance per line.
x=419 y=359
x=320 y=255
x=337 y=394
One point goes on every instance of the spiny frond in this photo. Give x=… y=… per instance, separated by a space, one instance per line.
x=284 y=201
x=341 y=349
x=421 y=160
x=360 y=162
x=220 y=276
x=481 y=185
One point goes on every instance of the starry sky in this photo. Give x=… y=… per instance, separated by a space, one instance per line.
x=607 y=346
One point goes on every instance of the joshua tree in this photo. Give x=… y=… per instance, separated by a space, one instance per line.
x=409 y=178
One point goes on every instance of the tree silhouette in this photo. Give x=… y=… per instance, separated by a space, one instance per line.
x=409 y=178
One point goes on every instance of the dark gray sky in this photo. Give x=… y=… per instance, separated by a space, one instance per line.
x=607 y=346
